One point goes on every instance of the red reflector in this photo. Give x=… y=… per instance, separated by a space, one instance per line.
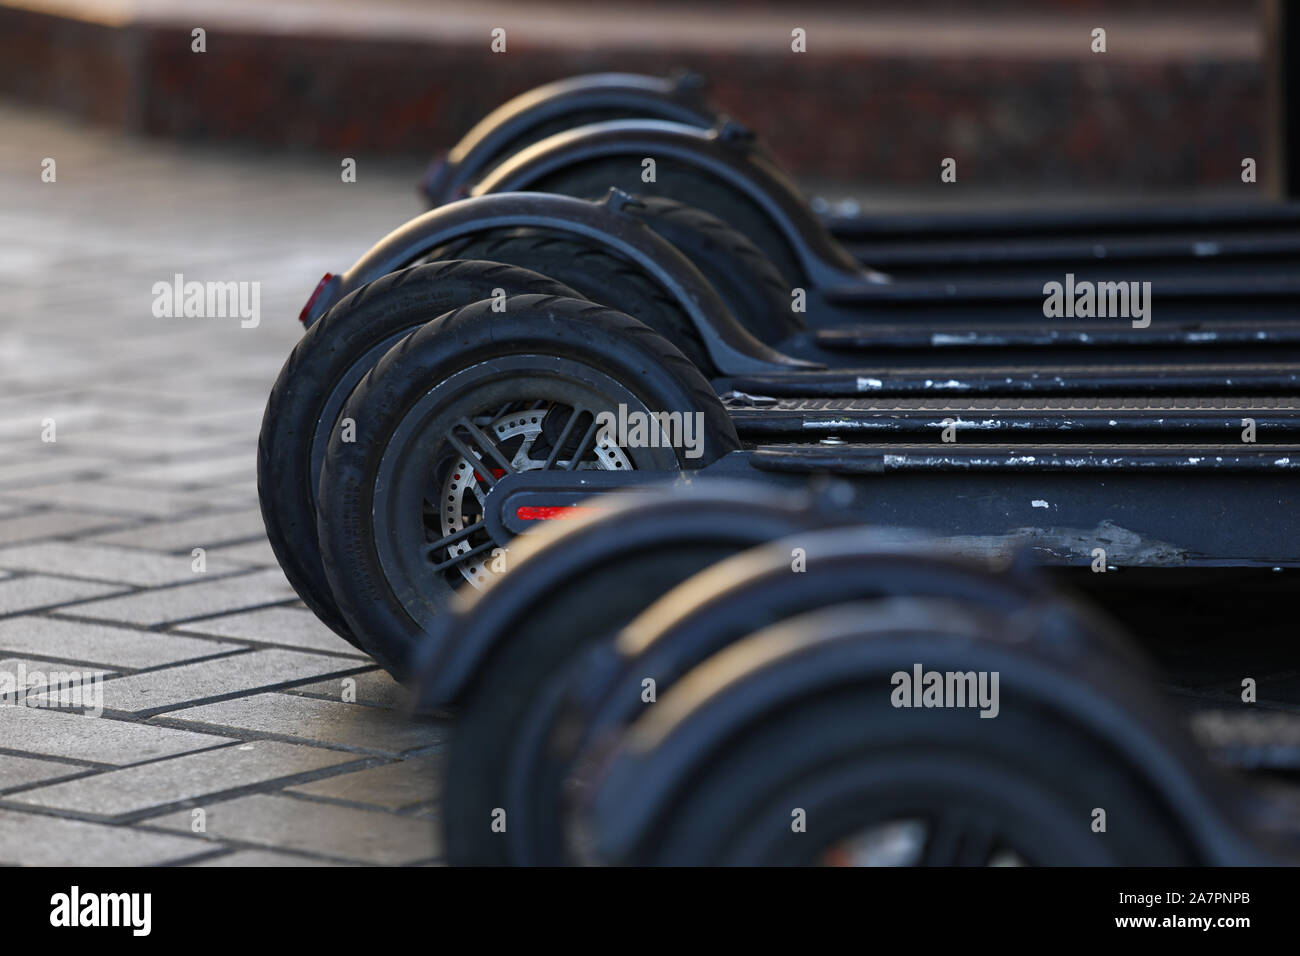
x=550 y=512
x=320 y=287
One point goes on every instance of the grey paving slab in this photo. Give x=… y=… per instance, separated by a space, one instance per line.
x=264 y=858
x=32 y=839
x=18 y=771
x=373 y=688
x=140 y=445
x=157 y=427
x=42 y=732
x=313 y=720
x=16 y=475
x=207 y=531
x=402 y=784
x=204 y=597
x=51 y=524
x=113 y=499
x=23 y=592
x=291 y=626
x=200 y=472
x=110 y=563
x=242 y=494
x=253 y=553
x=151 y=692
x=102 y=644
x=9 y=509
x=135 y=792
x=312 y=827
x=29 y=677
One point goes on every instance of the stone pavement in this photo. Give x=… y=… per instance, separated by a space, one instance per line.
x=229 y=734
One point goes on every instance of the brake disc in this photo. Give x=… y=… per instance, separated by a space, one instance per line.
x=463 y=499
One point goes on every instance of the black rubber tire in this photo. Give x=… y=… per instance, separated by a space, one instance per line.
x=736 y=809
x=505 y=701
x=508 y=716
x=335 y=352
x=751 y=286
x=754 y=785
x=687 y=185
x=617 y=345
x=597 y=275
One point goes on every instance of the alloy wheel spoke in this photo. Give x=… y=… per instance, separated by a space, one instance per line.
x=448 y=540
x=563 y=439
x=583 y=447
x=463 y=556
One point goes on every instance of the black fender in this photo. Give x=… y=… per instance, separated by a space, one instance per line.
x=726 y=152
x=448 y=662
x=677 y=98
x=733 y=348
x=749 y=591
x=803 y=658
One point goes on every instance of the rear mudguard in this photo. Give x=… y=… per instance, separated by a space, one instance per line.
x=1057 y=670
x=676 y=98
x=731 y=346
x=726 y=153
x=449 y=662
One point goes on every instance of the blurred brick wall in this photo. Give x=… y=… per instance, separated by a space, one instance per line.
x=1142 y=122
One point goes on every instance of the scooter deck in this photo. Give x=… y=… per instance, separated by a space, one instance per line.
x=1166 y=252
x=878 y=458
x=1059 y=420
x=1084 y=334
x=1207 y=380
x=1192 y=504
x=916 y=243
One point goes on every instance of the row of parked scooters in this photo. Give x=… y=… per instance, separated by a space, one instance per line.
x=600 y=457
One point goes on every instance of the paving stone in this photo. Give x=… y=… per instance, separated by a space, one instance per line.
x=311 y=719
x=32 y=839
x=184 y=601
x=292 y=626
x=207 y=531
x=253 y=552
x=391 y=786
x=18 y=772
x=373 y=688
x=309 y=826
x=95 y=740
x=108 y=563
x=10 y=508
x=102 y=644
x=15 y=475
x=51 y=524
x=35 y=676
x=24 y=592
x=196 y=470
x=99 y=496
x=152 y=692
x=240 y=495
x=157 y=423
x=137 y=445
x=133 y=792
x=263 y=858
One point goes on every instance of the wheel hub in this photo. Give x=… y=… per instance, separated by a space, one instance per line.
x=527 y=439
